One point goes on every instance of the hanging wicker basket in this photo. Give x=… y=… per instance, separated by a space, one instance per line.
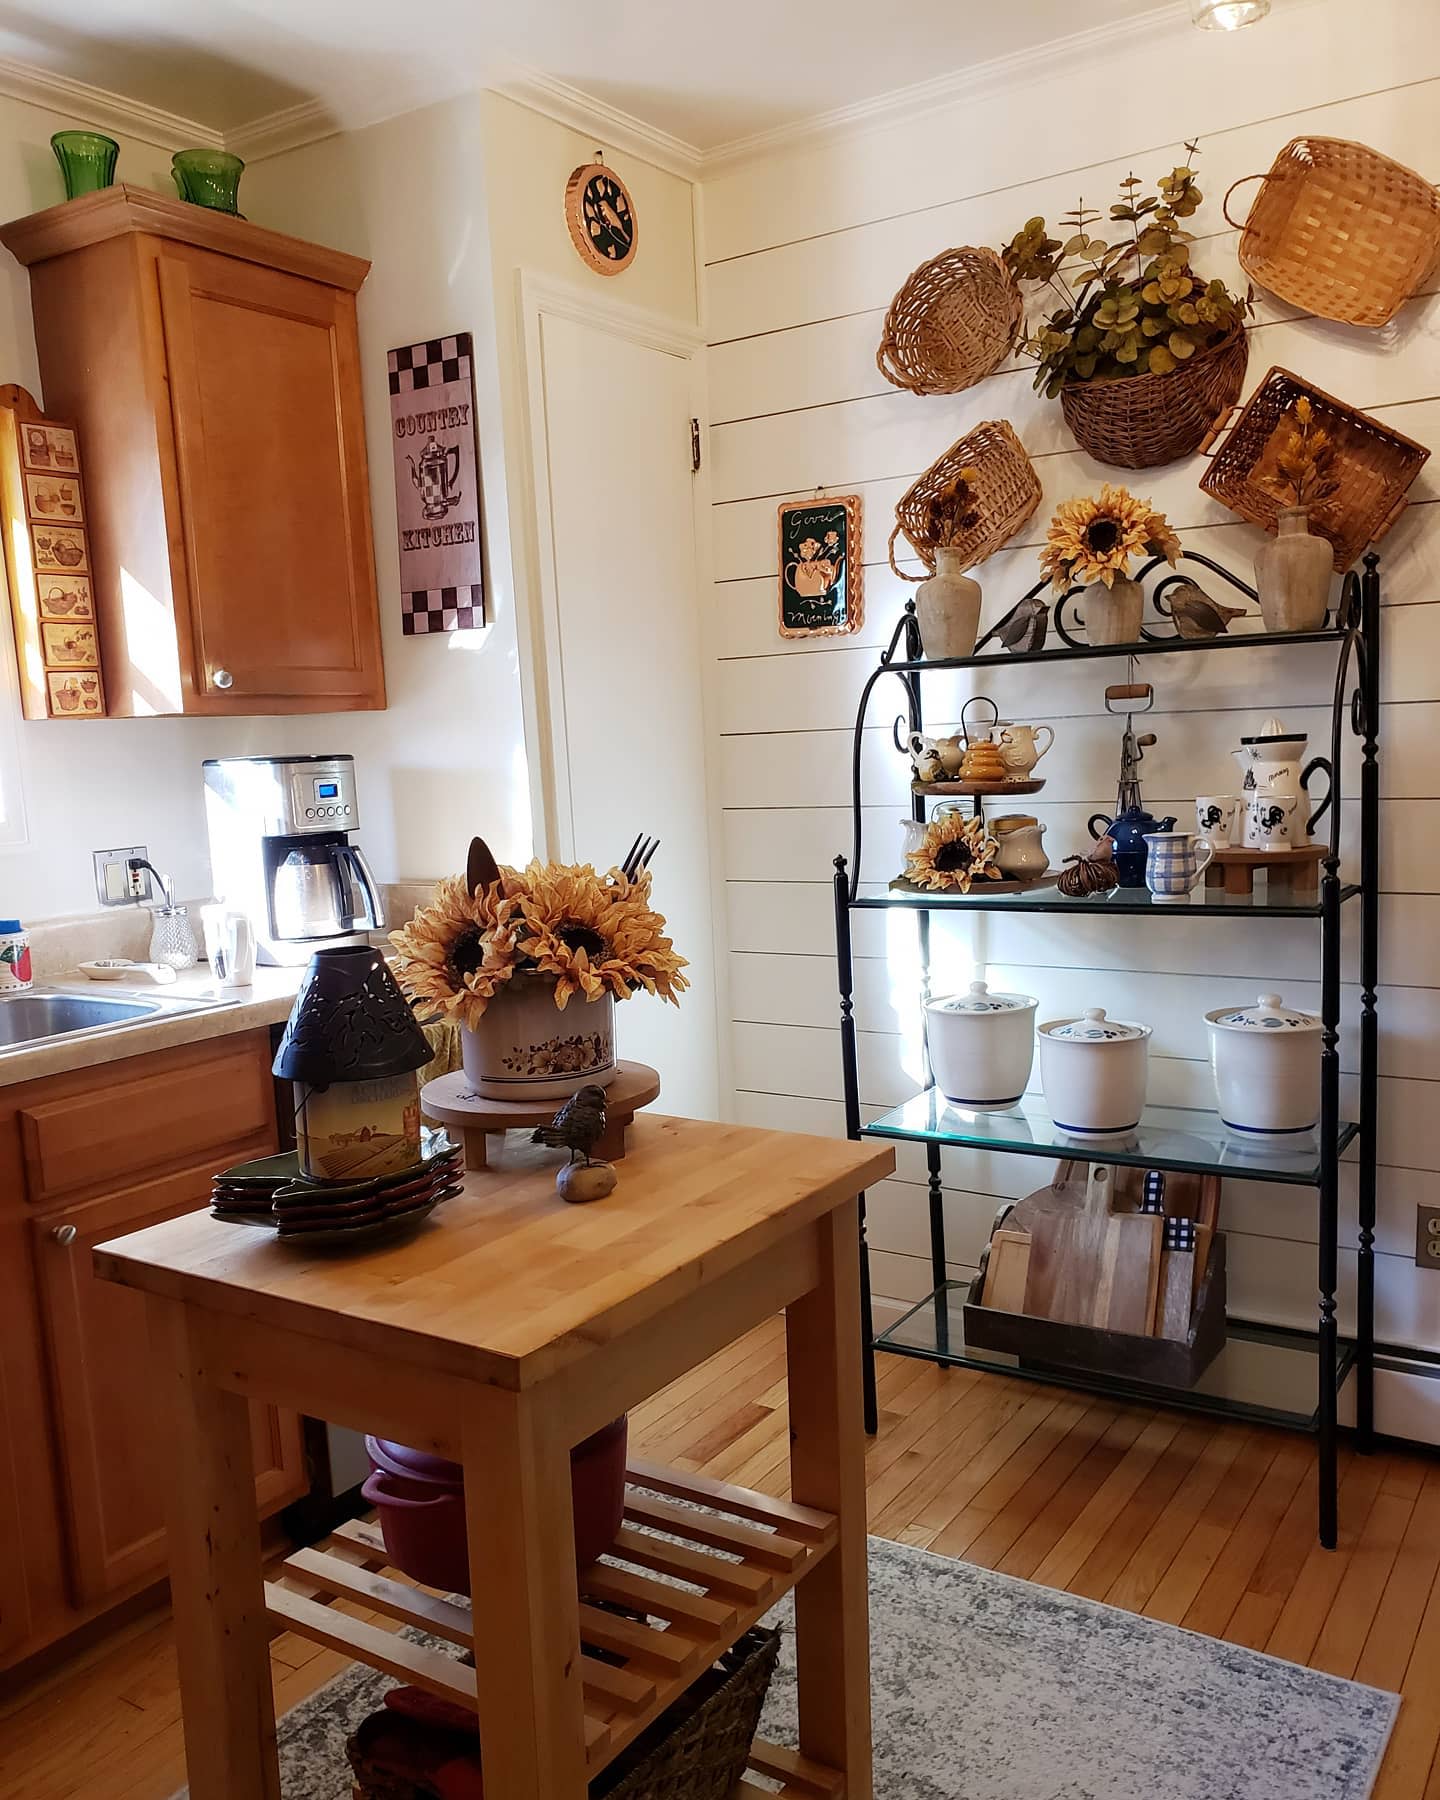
x=1006 y=492
x=1375 y=466
x=953 y=323
x=1340 y=230
x=1141 y=421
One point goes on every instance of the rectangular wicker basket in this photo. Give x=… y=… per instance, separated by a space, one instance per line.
x=1375 y=465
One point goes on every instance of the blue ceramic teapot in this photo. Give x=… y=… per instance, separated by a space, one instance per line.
x=1127 y=833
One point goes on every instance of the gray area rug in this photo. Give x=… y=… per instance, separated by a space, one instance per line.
x=989 y=1688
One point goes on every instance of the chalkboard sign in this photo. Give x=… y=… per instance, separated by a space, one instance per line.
x=821 y=569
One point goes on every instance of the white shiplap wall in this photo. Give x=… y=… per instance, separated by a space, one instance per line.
x=803 y=252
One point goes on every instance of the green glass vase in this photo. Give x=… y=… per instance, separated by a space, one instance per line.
x=86 y=159
x=208 y=178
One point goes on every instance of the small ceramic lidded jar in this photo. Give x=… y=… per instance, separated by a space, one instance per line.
x=981 y=1047
x=1266 y=1062
x=1093 y=1070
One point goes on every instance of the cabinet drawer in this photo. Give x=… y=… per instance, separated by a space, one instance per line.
x=121 y=1127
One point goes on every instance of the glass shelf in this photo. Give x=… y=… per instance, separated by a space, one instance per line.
x=1264 y=1372
x=1184 y=1138
x=1205 y=902
x=1062 y=652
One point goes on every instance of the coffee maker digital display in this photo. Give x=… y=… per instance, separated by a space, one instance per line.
x=281 y=850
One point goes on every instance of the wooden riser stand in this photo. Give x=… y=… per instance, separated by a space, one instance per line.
x=743 y=1556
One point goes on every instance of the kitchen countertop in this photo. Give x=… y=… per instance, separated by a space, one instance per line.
x=266 y=1002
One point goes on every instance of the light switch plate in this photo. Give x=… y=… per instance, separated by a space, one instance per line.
x=1427 y=1237
x=115 y=883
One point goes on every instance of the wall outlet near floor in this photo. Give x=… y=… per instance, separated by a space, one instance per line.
x=115 y=882
x=1427 y=1237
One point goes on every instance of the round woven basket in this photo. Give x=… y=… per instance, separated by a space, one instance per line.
x=1144 y=420
x=1006 y=491
x=953 y=323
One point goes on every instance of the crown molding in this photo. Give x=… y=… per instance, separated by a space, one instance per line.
x=1065 y=55
x=609 y=126
x=292 y=127
x=105 y=111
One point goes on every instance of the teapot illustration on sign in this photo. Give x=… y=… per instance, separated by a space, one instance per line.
x=437 y=478
x=815 y=573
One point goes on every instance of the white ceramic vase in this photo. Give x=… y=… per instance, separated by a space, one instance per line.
x=525 y=1048
x=948 y=609
x=1292 y=574
x=1113 y=614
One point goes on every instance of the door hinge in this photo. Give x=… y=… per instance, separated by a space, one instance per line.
x=694 y=446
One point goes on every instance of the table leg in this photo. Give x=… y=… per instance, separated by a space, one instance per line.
x=222 y=1640
x=827 y=1470
x=476 y=1150
x=527 y=1619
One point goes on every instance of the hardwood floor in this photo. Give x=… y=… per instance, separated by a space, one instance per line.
x=1206 y=1525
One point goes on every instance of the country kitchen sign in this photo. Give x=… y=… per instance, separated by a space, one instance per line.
x=437 y=486
x=821 y=566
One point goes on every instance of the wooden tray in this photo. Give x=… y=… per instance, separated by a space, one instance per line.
x=900 y=885
x=977 y=789
x=1046 y=1344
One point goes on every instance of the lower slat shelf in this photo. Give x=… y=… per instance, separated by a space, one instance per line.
x=737 y=1558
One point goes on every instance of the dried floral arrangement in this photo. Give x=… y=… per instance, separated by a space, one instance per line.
x=1093 y=539
x=952 y=511
x=1303 y=471
x=1128 y=306
x=591 y=934
x=955 y=852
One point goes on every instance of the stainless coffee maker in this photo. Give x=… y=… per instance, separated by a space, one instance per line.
x=280 y=850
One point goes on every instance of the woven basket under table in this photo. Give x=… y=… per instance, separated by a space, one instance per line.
x=695 y=1750
x=1006 y=490
x=1141 y=421
x=1375 y=465
x=952 y=323
x=1340 y=230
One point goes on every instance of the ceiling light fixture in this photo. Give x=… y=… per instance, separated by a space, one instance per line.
x=1227 y=15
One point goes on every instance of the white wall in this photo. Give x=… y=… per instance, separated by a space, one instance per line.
x=803 y=252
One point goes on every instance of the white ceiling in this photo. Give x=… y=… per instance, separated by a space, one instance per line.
x=706 y=71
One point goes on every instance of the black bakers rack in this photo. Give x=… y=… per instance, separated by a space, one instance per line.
x=1259 y=1361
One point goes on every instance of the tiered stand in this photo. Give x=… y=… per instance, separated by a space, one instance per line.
x=1281 y=1376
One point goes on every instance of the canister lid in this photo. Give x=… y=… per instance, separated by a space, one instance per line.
x=10 y=927
x=1269 y=1013
x=979 y=999
x=1092 y=1027
x=1011 y=822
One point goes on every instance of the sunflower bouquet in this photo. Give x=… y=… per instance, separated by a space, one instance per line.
x=1092 y=539
x=589 y=934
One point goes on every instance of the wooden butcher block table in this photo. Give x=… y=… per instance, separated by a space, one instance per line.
x=506 y=1330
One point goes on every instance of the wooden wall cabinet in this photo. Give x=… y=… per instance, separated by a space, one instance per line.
x=212 y=368
x=85 y=1158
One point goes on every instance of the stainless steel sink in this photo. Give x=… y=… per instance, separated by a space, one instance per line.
x=58 y=1011
x=31 y=1018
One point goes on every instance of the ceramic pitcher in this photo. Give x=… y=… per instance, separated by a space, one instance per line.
x=1176 y=861
x=1020 y=748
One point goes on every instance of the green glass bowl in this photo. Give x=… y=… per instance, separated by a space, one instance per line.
x=208 y=178
x=86 y=159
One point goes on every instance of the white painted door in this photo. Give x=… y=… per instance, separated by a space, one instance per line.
x=623 y=640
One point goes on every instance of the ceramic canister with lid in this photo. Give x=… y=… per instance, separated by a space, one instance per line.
x=1266 y=1062
x=981 y=1046
x=1093 y=1070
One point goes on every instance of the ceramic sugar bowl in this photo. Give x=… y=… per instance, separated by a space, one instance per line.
x=981 y=1047
x=1093 y=1070
x=1266 y=1062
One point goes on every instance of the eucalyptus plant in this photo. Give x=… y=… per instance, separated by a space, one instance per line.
x=1129 y=305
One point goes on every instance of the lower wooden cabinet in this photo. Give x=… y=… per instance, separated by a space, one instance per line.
x=82 y=1466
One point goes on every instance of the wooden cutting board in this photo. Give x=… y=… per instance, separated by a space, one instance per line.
x=1177 y=1277
x=1006 y=1270
x=1067 y=1250
x=1125 y=1295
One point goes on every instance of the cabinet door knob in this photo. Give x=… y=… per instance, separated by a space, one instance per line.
x=64 y=1234
x=223 y=678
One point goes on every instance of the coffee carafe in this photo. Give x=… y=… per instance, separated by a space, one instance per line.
x=1272 y=766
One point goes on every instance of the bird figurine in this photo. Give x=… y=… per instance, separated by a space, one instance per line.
x=578 y=1126
x=1196 y=615
x=1025 y=626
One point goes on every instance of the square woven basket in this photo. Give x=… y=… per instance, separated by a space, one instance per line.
x=1006 y=488
x=1340 y=230
x=1375 y=466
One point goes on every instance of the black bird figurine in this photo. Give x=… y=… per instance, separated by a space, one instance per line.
x=578 y=1126
x=1026 y=625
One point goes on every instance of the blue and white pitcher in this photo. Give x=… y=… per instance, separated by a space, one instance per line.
x=1176 y=861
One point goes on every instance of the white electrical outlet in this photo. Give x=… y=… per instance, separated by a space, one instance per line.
x=115 y=882
x=1427 y=1237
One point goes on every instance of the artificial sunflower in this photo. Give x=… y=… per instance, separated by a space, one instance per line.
x=954 y=852
x=1093 y=539
x=456 y=951
x=596 y=936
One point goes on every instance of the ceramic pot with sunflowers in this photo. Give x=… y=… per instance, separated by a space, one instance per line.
x=1090 y=544
x=1113 y=614
x=529 y=965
